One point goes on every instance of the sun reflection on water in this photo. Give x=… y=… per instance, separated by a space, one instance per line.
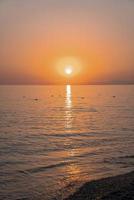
x=72 y=169
x=68 y=108
x=68 y=96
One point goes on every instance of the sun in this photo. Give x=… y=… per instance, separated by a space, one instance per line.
x=68 y=70
x=68 y=67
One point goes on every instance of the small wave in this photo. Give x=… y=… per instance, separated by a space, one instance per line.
x=123 y=160
x=129 y=156
x=12 y=162
x=80 y=109
x=74 y=134
x=43 y=168
x=127 y=129
x=92 y=110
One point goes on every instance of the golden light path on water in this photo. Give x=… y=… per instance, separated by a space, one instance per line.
x=68 y=110
x=72 y=169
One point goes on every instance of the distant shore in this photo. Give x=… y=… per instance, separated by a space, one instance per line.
x=119 y=187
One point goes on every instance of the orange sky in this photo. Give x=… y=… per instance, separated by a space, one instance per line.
x=36 y=35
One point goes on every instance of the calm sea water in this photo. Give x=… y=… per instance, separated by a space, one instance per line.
x=54 y=138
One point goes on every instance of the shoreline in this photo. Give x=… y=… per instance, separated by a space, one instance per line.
x=120 y=187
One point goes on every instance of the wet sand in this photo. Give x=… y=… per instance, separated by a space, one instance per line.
x=113 y=188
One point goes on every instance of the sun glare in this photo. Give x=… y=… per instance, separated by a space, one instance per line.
x=68 y=66
x=68 y=70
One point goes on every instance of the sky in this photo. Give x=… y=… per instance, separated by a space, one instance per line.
x=37 y=37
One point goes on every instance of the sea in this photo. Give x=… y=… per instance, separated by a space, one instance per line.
x=55 y=138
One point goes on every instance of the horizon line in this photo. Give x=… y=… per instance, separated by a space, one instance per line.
x=58 y=84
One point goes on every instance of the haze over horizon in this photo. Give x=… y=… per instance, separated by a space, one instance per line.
x=36 y=35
